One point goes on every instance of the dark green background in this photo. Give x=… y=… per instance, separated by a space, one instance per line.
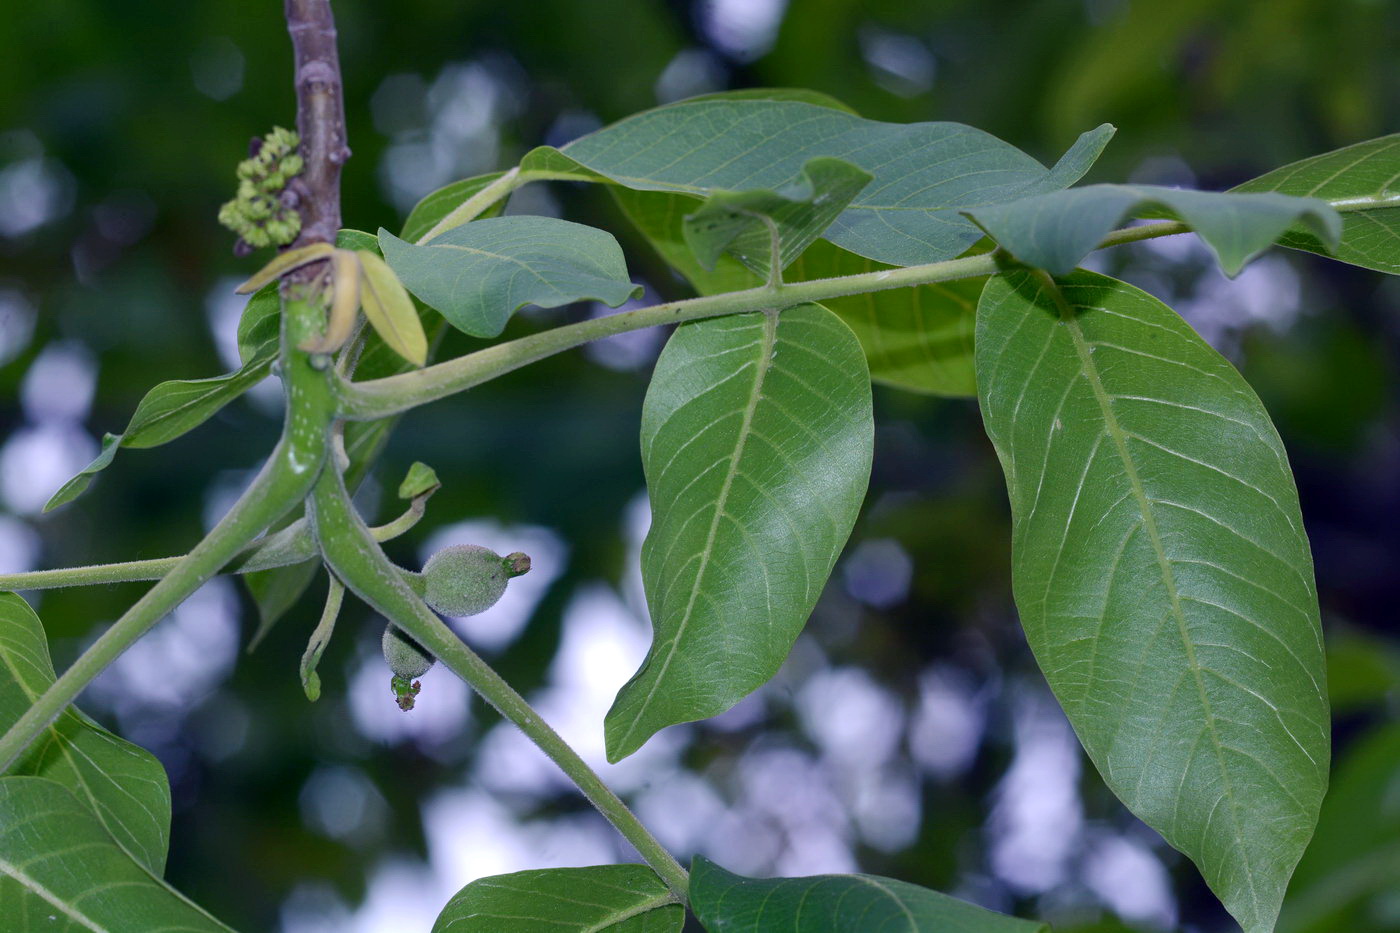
x=107 y=94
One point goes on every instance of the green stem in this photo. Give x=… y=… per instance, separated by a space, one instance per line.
x=474 y=205
x=357 y=560
x=378 y=398
x=291 y=545
x=284 y=480
x=277 y=487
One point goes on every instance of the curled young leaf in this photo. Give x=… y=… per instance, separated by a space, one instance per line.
x=283 y=263
x=345 y=303
x=390 y=311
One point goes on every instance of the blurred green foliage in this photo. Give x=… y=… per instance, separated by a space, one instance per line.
x=118 y=102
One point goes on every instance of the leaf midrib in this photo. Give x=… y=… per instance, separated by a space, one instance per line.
x=44 y=894
x=1119 y=438
x=765 y=363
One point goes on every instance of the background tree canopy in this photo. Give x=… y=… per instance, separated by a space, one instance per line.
x=909 y=734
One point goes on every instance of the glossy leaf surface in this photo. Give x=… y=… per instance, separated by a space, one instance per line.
x=756 y=440
x=1360 y=181
x=60 y=871
x=914 y=338
x=123 y=785
x=598 y=899
x=479 y=274
x=924 y=172
x=1161 y=572
x=729 y=903
x=1055 y=231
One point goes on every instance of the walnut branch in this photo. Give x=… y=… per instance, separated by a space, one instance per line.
x=320 y=119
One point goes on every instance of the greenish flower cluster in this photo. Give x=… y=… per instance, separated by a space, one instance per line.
x=258 y=214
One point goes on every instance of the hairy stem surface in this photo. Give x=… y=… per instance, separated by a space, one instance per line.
x=378 y=398
x=357 y=560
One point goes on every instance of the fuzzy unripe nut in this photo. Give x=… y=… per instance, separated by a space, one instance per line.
x=405 y=657
x=466 y=579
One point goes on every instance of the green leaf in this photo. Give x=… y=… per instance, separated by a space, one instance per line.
x=924 y=172
x=729 y=903
x=390 y=311
x=747 y=224
x=421 y=478
x=76 y=486
x=756 y=440
x=599 y=899
x=1363 y=183
x=123 y=785
x=275 y=591
x=178 y=406
x=356 y=240
x=60 y=870
x=260 y=324
x=918 y=338
x=800 y=94
x=1350 y=868
x=479 y=274
x=1054 y=231
x=434 y=207
x=1161 y=571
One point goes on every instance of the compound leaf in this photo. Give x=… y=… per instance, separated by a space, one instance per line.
x=1161 y=571
x=756 y=440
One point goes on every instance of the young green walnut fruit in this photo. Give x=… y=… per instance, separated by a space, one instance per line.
x=408 y=660
x=466 y=579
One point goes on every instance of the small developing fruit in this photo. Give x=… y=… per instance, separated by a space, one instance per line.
x=408 y=660
x=466 y=579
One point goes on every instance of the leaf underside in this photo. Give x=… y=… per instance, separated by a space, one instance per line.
x=1055 y=231
x=479 y=274
x=1161 y=572
x=757 y=438
x=924 y=172
x=917 y=338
